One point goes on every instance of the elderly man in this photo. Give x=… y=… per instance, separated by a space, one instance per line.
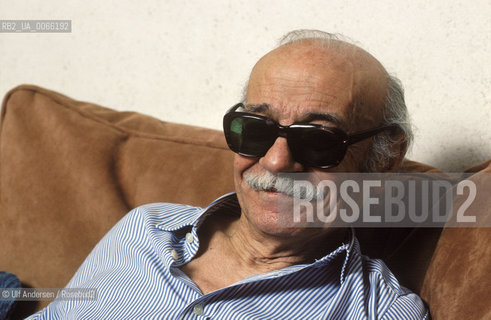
x=315 y=104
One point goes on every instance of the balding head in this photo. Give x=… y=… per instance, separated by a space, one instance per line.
x=330 y=72
x=316 y=68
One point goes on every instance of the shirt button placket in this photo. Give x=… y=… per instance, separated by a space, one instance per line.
x=189 y=237
x=174 y=254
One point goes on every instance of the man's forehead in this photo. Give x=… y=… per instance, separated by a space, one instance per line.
x=304 y=57
x=320 y=76
x=302 y=85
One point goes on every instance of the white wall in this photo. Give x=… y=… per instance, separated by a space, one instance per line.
x=186 y=61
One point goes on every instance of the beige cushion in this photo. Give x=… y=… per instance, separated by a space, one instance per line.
x=457 y=284
x=70 y=170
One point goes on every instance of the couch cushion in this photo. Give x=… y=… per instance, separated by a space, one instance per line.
x=70 y=170
x=457 y=283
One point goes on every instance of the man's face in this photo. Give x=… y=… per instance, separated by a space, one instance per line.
x=298 y=84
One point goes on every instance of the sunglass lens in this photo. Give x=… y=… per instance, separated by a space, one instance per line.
x=250 y=136
x=316 y=147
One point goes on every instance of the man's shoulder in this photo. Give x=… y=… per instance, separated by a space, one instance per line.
x=165 y=212
x=165 y=215
x=163 y=209
x=378 y=271
x=391 y=298
x=376 y=274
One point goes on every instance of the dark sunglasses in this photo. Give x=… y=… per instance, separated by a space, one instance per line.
x=312 y=145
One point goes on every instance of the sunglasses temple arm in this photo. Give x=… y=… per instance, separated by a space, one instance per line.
x=354 y=138
x=234 y=108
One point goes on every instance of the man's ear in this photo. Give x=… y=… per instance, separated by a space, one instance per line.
x=398 y=149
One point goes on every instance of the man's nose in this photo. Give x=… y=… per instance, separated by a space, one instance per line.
x=279 y=158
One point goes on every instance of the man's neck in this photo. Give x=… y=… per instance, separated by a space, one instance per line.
x=262 y=252
x=230 y=251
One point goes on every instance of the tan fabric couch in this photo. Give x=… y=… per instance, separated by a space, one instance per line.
x=70 y=170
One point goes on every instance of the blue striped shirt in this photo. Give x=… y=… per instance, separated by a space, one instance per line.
x=135 y=269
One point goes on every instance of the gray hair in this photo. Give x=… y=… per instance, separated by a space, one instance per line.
x=333 y=41
x=394 y=113
x=394 y=109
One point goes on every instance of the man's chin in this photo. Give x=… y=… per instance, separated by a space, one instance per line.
x=271 y=211
x=276 y=216
x=279 y=231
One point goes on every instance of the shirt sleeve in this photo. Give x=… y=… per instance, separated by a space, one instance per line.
x=99 y=263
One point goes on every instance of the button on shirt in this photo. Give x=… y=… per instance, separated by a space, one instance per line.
x=135 y=270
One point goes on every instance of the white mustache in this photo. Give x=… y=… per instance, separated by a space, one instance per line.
x=282 y=184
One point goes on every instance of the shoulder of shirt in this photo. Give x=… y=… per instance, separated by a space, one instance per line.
x=167 y=216
x=404 y=301
x=172 y=216
x=378 y=268
x=165 y=207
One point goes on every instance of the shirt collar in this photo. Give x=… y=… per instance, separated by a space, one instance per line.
x=228 y=203
x=194 y=216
